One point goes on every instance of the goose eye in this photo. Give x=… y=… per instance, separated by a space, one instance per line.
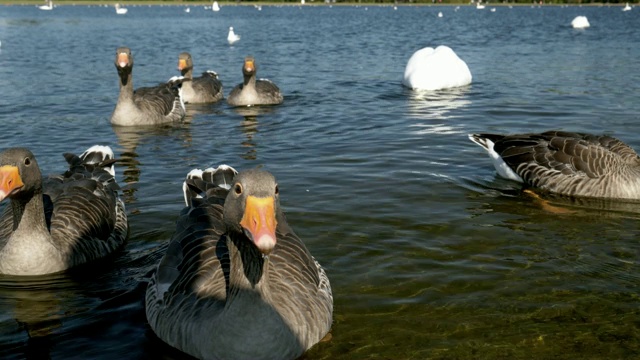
x=237 y=188
x=277 y=190
x=27 y=161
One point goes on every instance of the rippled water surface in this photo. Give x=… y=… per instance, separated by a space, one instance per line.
x=430 y=255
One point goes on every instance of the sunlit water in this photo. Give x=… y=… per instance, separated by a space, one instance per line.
x=430 y=255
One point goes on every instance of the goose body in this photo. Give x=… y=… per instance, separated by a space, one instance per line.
x=156 y=105
x=252 y=91
x=204 y=89
x=435 y=69
x=566 y=163
x=62 y=221
x=236 y=282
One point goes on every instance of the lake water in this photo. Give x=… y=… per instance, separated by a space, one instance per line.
x=429 y=253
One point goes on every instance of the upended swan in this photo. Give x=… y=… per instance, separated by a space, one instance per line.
x=236 y=282
x=566 y=163
x=252 y=91
x=580 y=22
x=232 y=37
x=62 y=221
x=204 y=89
x=430 y=69
x=156 y=105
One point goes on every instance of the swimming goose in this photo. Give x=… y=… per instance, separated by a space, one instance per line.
x=252 y=91
x=61 y=221
x=236 y=282
x=204 y=89
x=156 y=105
x=566 y=163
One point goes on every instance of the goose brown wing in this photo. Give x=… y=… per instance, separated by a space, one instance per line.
x=208 y=84
x=88 y=219
x=540 y=157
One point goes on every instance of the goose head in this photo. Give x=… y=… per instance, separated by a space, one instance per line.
x=20 y=175
x=251 y=207
x=185 y=63
x=249 y=68
x=124 y=61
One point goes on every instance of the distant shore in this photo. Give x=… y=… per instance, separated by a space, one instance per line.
x=283 y=3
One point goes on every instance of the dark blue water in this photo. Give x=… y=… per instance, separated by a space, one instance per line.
x=430 y=255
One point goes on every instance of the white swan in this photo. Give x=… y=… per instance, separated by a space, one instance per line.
x=580 y=22
x=479 y=6
x=430 y=69
x=232 y=38
x=48 y=6
x=215 y=6
x=120 y=10
x=626 y=7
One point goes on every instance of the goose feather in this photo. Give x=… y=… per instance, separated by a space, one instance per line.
x=161 y=104
x=566 y=163
x=254 y=92
x=204 y=89
x=61 y=221
x=219 y=293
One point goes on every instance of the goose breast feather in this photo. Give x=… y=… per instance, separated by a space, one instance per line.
x=219 y=293
x=566 y=163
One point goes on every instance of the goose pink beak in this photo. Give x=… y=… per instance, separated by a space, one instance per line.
x=123 y=60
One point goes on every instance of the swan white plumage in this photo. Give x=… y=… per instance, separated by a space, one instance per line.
x=232 y=38
x=215 y=6
x=626 y=7
x=48 y=6
x=580 y=22
x=430 y=69
x=120 y=10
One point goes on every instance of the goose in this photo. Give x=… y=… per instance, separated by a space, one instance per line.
x=236 y=282
x=204 y=89
x=566 y=163
x=232 y=37
x=252 y=91
x=62 y=221
x=161 y=104
x=436 y=69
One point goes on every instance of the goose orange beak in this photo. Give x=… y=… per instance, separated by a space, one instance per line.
x=123 y=60
x=10 y=181
x=182 y=63
x=259 y=220
x=248 y=65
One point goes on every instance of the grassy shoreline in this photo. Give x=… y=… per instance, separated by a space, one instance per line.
x=267 y=3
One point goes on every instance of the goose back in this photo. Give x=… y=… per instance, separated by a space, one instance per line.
x=206 y=88
x=281 y=306
x=567 y=163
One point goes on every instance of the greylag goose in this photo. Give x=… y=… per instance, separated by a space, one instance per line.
x=204 y=89
x=156 y=105
x=61 y=221
x=252 y=91
x=236 y=282
x=566 y=163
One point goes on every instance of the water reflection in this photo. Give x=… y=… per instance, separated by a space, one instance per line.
x=249 y=127
x=37 y=305
x=129 y=138
x=436 y=105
